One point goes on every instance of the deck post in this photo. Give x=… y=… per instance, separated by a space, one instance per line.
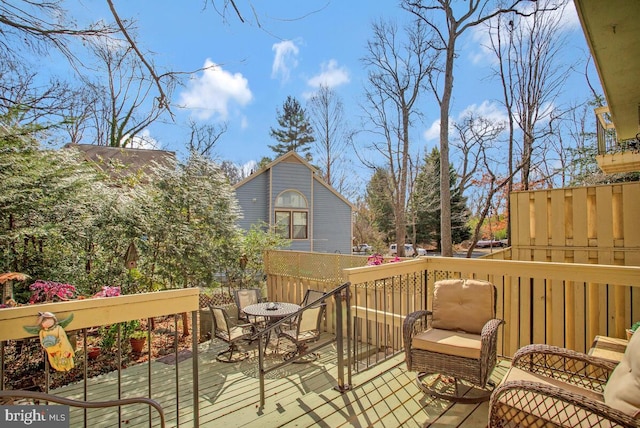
x=342 y=387
x=261 y=369
x=195 y=380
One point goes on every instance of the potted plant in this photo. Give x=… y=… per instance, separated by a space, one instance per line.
x=93 y=352
x=633 y=328
x=138 y=339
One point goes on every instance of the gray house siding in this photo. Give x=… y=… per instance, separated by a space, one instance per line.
x=253 y=201
x=288 y=176
x=332 y=225
x=329 y=214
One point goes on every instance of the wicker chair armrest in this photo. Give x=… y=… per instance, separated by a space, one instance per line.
x=414 y=323
x=560 y=363
x=490 y=329
x=527 y=399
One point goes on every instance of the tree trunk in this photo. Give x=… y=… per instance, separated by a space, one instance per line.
x=445 y=183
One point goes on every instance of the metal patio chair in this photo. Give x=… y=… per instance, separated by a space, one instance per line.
x=304 y=329
x=231 y=334
x=244 y=297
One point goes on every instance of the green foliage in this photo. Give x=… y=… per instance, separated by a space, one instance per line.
x=250 y=264
x=192 y=225
x=62 y=221
x=109 y=334
x=138 y=334
x=635 y=326
x=378 y=197
x=425 y=203
x=295 y=131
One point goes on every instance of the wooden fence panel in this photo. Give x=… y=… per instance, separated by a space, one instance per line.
x=595 y=224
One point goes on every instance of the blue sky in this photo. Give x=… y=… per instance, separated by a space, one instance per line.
x=298 y=45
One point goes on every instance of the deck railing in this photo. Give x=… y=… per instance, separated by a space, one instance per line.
x=89 y=314
x=559 y=304
x=562 y=304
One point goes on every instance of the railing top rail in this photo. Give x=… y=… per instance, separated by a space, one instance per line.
x=608 y=274
x=99 y=311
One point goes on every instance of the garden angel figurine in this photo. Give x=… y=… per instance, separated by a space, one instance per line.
x=54 y=340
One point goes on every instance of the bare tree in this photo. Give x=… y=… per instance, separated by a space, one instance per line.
x=476 y=141
x=474 y=135
x=537 y=74
x=27 y=105
x=37 y=27
x=396 y=78
x=78 y=113
x=130 y=104
x=326 y=113
x=203 y=137
x=448 y=29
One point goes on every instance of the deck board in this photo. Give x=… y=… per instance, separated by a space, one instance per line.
x=297 y=395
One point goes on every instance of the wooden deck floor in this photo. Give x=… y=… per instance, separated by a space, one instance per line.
x=298 y=395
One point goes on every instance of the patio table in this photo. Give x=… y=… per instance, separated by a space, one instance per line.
x=272 y=312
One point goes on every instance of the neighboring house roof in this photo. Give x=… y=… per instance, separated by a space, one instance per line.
x=296 y=158
x=121 y=162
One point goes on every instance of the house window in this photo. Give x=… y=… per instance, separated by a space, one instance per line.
x=292 y=215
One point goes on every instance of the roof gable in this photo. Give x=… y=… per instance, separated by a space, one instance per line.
x=293 y=157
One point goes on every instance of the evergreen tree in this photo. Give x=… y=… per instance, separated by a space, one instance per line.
x=295 y=131
x=378 y=197
x=425 y=202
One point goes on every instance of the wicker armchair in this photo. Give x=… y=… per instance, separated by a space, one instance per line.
x=453 y=347
x=551 y=386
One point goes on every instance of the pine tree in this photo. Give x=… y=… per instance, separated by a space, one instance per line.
x=295 y=131
x=425 y=202
x=378 y=197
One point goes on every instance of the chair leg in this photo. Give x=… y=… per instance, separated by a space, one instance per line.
x=457 y=391
x=300 y=352
x=229 y=359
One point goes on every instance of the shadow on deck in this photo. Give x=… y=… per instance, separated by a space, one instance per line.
x=300 y=395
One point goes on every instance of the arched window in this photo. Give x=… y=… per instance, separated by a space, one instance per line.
x=292 y=215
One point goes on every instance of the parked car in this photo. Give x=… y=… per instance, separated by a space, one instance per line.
x=488 y=243
x=408 y=250
x=363 y=248
x=421 y=251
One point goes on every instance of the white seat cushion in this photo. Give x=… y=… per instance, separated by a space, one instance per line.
x=622 y=390
x=465 y=345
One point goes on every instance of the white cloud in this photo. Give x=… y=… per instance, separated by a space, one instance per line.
x=433 y=132
x=488 y=110
x=214 y=90
x=565 y=15
x=244 y=122
x=330 y=75
x=143 y=140
x=284 y=60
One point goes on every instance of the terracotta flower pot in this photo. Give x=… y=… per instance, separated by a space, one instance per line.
x=93 y=352
x=137 y=344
